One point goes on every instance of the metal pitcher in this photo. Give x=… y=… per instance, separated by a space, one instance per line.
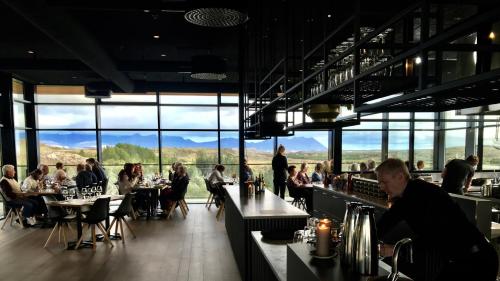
x=350 y=218
x=486 y=190
x=366 y=247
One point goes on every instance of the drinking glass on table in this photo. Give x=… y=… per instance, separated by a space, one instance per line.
x=99 y=190
x=65 y=193
x=93 y=191
x=84 y=193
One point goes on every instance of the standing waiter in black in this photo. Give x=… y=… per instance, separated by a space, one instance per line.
x=439 y=224
x=457 y=174
x=280 y=166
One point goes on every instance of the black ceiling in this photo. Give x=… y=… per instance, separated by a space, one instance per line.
x=67 y=38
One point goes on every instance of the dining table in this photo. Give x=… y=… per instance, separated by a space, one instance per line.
x=78 y=205
x=150 y=192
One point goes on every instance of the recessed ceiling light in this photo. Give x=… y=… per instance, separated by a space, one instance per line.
x=156 y=36
x=329 y=16
x=146 y=11
x=418 y=60
x=31 y=52
x=74 y=77
x=163 y=55
x=492 y=35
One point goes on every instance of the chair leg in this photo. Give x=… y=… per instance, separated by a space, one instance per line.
x=59 y=233
x=208 y=199
x=129 y=228
x=170 y=213
x=211 y=202
x=221 y=210
x=116 y=228
x=70 y=229
x=185 y=204
x=121 y=229
x=104 y=232
x=20 y=217
x=9 y=214
x=64 y=236
x=132 y=215
x=183 y=209
x=111 y=225
x=50 y=236
x=80 y=240
x=94 y=242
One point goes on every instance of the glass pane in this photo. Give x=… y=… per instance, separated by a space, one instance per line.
x=128 y=117
x=424 y=148
x=66 y=116
x=229 y=118
x=454 y=144
x=450 y=115
x=19 y=117
x=259 y=151
x=183 y=117
x=309 y=147
x=491 y=147
x=400 y=116
x=69 y=147
x=17 y=89
x=21 y=154
x=188 y=98
x=134 y=97
x=368 y=124
x=229 y=98
x=229 y=148
x=61 y=94
x=120 y=147
x=424 y=116
x=198 y=148
x=399 y=144
x=360 y=147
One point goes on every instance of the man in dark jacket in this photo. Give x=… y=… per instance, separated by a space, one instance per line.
x=440 y=226
x=280 y=166
x=457 y=174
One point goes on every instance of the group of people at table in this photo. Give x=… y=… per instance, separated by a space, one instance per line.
x=39 y=181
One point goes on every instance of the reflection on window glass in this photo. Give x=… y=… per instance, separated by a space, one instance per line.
x=368 y=125
x=66 y=116
x=188 y=98
x=183 y=117
x=454 y=144
x=69 y=147
x=399 y=144
x=17 y=89
x=259 y=151
x=229 y=98
x=491 y=146
x=21 y=154
x=309 y=147
x=229 y=148
x=229 y=118
x=198 y=148
x=134 y=97
x=450 y=115
x=120 y=147
x=424 y=116
x=129 y=117
x=424 y=148
x=19 y=117
x=360 y=147
x=61 y=94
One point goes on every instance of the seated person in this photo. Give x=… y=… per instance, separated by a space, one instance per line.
x=60 y=174
x=127 y=179
x=216 y=181
x=138 y=172
x=248 y=173
x=177 y=191
x=365 y=171
x=318 y=173
x=420 y=165
x=10 y=187
x=32 y=182
x=302 y=176
x=85 y=176
x=296 y=189
x=45 y=179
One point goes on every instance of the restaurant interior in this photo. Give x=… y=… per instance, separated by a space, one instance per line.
x=249 y=140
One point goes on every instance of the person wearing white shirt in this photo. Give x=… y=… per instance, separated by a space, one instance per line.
x=32 y=182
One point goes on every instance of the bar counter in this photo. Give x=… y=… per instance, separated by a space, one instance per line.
x=264 y=211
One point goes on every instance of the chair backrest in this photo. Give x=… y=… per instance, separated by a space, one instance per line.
x=291 y=190
x=54 y=212
x=207 y=185
x=99 y=211
x=125 y=207
x=4 y=197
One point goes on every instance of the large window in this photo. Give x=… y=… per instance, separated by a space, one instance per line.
x=128 y=117
x=189 y=117
x=399 y=136
x=424 y=139
x=361 y=146
x=66 y=116
x=308 y=147
x=491 y=144
x=21 y=154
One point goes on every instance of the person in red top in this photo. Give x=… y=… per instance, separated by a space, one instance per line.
x=297 y=189
x=302 y=176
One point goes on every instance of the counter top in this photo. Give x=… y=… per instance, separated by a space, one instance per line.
x=384 y=204
x=263 y=205
x=274 y=251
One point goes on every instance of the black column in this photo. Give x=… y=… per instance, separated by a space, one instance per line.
x=337 y=151
x=241 y=101
x=7 y=119
x=31 y=133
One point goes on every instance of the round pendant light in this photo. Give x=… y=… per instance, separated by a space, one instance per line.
x=215 y=17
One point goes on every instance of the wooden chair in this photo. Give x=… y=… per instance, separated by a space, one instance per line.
x=62 y=219
x=98 y=212
x=182 y=205
x=13 y=213
x=220 y=211
x=299 y=202
x=210 y=198
x=123 y=210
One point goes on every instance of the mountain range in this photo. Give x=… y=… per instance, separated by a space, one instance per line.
x=78 y=141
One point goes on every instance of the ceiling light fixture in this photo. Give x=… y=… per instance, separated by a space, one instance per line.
x=418 y=60
x=208 y=67
x=492 y=36
x=215 y=17
x=163 y=55
x=31 y=52
x=156 y=36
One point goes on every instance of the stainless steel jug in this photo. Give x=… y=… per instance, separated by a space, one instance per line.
x=486 y=190
x=366 y=247
x=350 y=219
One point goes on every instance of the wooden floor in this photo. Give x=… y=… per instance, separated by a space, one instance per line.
x=193 y=249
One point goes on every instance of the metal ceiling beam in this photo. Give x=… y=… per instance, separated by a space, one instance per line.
x=57 y=24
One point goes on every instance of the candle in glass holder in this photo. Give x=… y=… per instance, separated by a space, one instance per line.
x=326 y=222
x=322 y=240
